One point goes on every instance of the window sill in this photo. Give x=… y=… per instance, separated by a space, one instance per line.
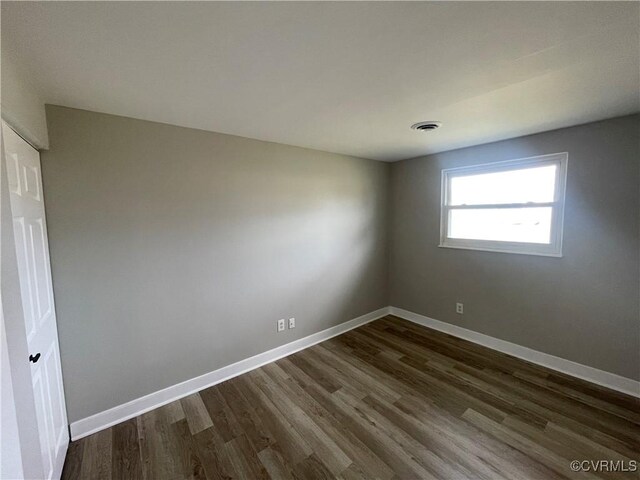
x=502 y=250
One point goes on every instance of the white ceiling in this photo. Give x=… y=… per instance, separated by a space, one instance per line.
x=342 y=77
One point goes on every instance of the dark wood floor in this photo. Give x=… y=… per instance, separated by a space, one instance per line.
x=388 y=400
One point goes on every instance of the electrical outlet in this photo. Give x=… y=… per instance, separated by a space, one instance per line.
x=459 y=308
x=281 y=325
x=292 y=323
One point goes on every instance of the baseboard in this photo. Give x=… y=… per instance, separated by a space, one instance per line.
x=115 y=415
x=590 y=374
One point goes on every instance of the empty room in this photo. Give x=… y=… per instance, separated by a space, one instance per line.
x=320 y=240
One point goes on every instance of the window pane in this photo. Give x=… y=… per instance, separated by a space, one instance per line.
x=530 y=225
x=515 y=186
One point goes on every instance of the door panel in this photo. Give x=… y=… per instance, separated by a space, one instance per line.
x=28 y=307
x=40 y=272
x=44 y=426
x=30 y=176
x=30 y=230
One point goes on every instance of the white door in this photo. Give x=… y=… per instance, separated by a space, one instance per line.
x=32 y=249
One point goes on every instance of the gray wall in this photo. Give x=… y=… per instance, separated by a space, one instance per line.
x=583 y=306
x=174 y=251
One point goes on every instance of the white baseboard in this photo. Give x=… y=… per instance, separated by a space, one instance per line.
x=590 y=374
x=115 y=415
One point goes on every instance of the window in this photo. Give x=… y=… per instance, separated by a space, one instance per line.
x=515 y=206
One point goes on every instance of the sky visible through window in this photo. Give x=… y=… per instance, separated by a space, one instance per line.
x=528 y=224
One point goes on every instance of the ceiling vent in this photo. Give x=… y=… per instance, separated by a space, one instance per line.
x=426 y=126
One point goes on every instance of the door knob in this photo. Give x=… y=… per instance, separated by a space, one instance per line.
x=34 y=359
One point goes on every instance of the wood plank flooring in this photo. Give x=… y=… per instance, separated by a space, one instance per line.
x=389 y=400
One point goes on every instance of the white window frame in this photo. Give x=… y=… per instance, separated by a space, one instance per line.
x=553 y=249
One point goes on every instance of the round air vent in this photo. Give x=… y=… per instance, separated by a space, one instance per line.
x=426 y=126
